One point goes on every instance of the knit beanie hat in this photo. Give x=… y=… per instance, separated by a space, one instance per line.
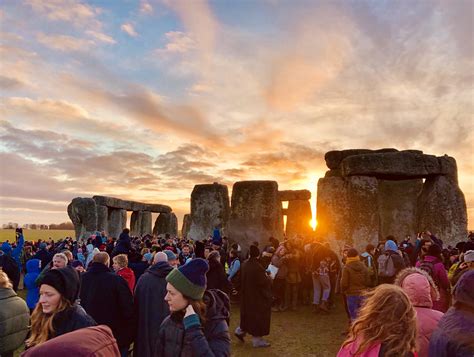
x=464 y=289
x=190 y=279
x=65 y=281
x=469 y=256
x=170 y=254
x=391 y=245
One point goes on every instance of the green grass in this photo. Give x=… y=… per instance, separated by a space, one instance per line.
x=35 y=234
x=292 y=333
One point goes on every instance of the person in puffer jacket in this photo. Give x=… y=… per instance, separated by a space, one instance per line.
x=422 y=291
x=199 y=321
x=33 y=269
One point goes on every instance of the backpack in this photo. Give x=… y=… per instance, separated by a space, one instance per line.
x=386 y=266
x=429 y=268
x=10 y=267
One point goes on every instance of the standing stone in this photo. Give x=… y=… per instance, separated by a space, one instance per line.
x=117 y=221
x=135 y=223
x=298 y=219
x=145 y=223
x=83 y=214
x=397 y=207
x=209 y=209
x=256 y=213
x=442 y=210
x=186 y=225
x=293 y=195
x=166 y=223
x=102 y=214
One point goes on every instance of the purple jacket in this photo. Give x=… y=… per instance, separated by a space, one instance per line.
x=440 y=276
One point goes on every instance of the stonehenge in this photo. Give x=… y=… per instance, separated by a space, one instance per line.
x=109 y=214
x=369 y=194
x=166 y=223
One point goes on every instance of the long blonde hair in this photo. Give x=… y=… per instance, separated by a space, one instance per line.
x=42 y=324
x=386 y=317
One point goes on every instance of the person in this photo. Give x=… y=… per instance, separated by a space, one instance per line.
x=33 y=269
x=386 y=325
x=15 y=253
x=10 y=267
x=465 y=265
x=320 y=269
x=57 y=312
x=455 y=333
x=234 y=272
x=95 y=341
x=14 y=318
x=150 y=289
x=43 y=254
x=368 y=258
x=199 y=318
x=432 y=263
x=389 y=263
x=256 y=301
x=355 y=280
x=120 y=266
x=422 y=291
x=107 y=298
x=59 y=261
x=278 y=287
x=216 y=276
x=185 y=254
x=172 y=258
x=124 y=245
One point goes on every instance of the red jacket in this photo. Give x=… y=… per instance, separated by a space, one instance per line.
x=129 y=277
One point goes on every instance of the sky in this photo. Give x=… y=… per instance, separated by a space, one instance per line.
x=144 y=99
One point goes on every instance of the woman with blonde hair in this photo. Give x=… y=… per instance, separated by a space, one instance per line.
x=386 y=326
x=56 y=312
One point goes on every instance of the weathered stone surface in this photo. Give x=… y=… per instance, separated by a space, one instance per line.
x=113 y=202
x=102 y=215
x=333 y=173
x=442 y=210
x=209 y=209
x=398 y=165
x=292 y=195
x=186 y=225
x=397 y=207
x=135 y=223
x=157 y=208
x=145 y=223
x=298 y=218
x=449 y=167
x=83 y=214
x=256 y=213
x=117 y=221
x=166 y=223
x=334 y=158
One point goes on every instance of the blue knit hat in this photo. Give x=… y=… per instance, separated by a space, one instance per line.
x=170 y=254
x=190 y=279
x=391 y=245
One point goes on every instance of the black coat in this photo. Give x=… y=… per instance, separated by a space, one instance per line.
x=256 y=299
x=71 y=319
x=123 y=246
x=44 y=256
x=210 y=340
x=150 y=307
x=216 y=277
x=108 y=299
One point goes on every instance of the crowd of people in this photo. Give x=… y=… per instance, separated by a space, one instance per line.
x=165 y=296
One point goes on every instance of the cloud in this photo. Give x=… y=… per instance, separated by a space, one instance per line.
x=64 y=43
x=145 y=7
x=101 y=37
x=10 y=83
x=129 y=29
x=177 y=43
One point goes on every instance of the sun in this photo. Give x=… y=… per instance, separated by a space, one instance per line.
x=313 y=223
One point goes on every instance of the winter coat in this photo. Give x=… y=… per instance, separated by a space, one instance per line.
x=256 y=299
x=454 y=335
x=123 y=246
x=14 y=320
x=10 y=267
x=107 y=298
x=138 y=268
x=216 y=277
x=355 y=278
x=96 y=341
x=377 y=350
x=129 y=277
x=90 y=255
x=32 y=273
x=71 y=319
x=280 y=263
x=440 y=277
x=421 y=290
x=15 y=253
x=150 y=307
x=44 y=256
x=179 y=338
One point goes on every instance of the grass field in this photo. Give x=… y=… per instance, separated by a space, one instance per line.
x=35 y=234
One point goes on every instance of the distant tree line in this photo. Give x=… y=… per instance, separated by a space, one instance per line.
x=52 y=226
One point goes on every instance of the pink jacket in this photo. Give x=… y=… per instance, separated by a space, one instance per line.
x=441 y=277
x=350 y=349
x=418 y=288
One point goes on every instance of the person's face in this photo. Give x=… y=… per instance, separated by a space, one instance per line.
x=206 y=252
x=175 y=299
x=58 y=263
x=49 y=298
x=115 y=266
x=282 y=251
x=185 y=250
x=173 y=263
x=426 y=245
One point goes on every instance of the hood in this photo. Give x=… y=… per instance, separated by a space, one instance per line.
x=214 y=264
x=124 y=236
x=126 y=273
x=97 y=267
x=90 y=248
x=218 y=305
x=6 y=247
x=419 y=286
x=431 y=259
x=464 y=289
x=160 y=269
x=357 y=266
x=391 y=245
x=33 y=266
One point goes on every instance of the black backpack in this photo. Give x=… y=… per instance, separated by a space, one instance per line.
x=10 y=267
x=429 y=268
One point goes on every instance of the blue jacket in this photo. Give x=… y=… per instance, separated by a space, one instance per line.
x=32 y=272
x=15 y=253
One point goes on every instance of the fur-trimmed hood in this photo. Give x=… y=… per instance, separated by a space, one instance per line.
x=419 y=286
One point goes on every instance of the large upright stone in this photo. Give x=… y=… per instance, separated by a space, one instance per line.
x=298 y=219
x=186 y=225
x=145 y=223
x=256 y=213
x=83 y=214
x=166 y=223
x=210 y=208
x=102 y=216
x=117 y=221
x=135 y=222
x=442 y=210
x=397 y=207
